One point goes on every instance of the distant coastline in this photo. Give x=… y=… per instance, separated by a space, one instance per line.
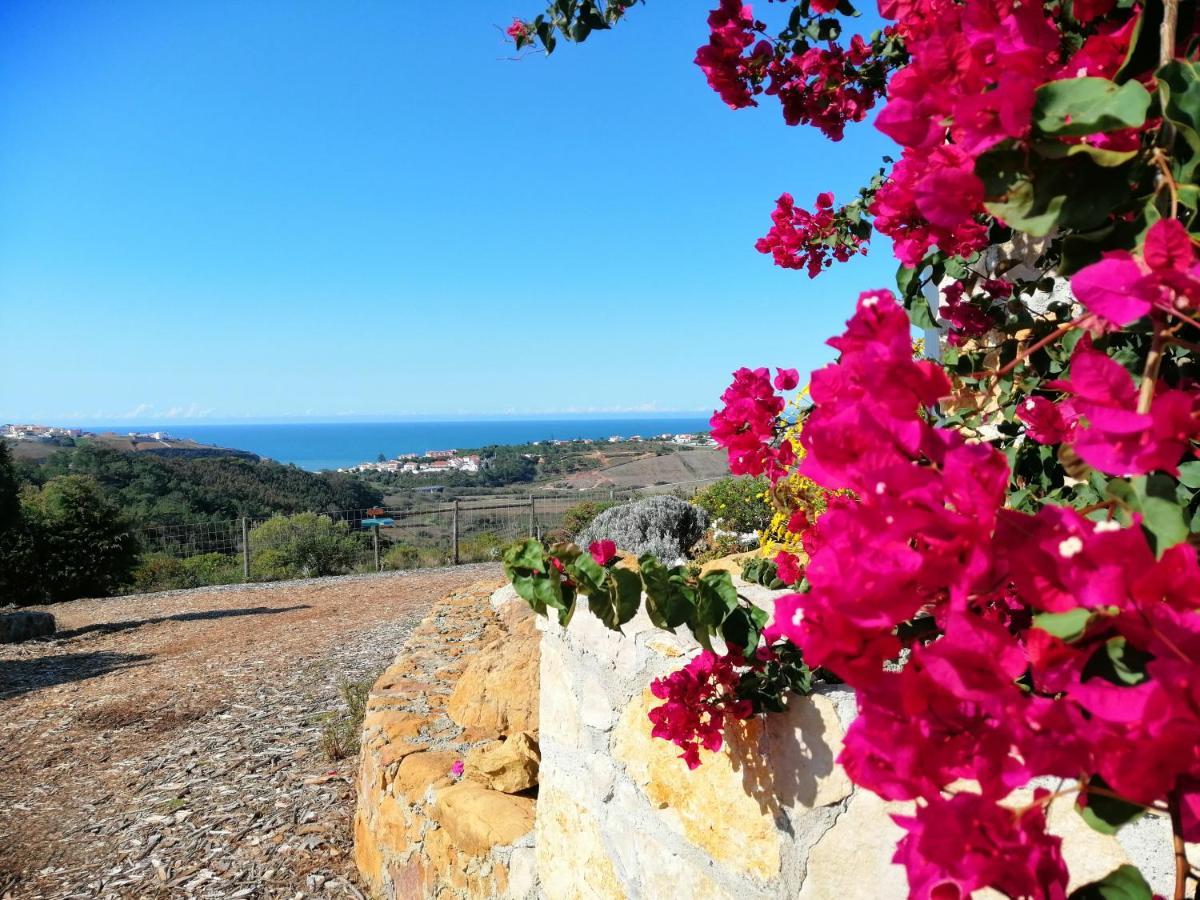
x=317 y=446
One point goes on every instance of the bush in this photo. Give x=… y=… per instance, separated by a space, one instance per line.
x=410 y=556
x=736 y=504
x=76 y=543
x=401 y=556
x=664 y=526
x=581 y=515
x=305 y=545
x=164 y=572
x=483 y=547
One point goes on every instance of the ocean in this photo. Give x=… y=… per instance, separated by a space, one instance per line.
x=332 y=445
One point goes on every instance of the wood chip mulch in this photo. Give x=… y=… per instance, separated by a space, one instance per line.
x=169 y=745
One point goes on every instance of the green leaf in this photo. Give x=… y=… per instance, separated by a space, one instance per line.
x=1079 y=106
x=1067 y=626
x=627 y=587
x=1154 y=497
x=1098 y=155
x=1072 y=192
x=740 y=630
x=528 y=554
x=907 y=280
x=1104 y=813
x=1181 y=81
x=669 y=599
x=1117 y=662
x=1189 y=474
x=588 y=574
x=1123 y=883
x=919 y=312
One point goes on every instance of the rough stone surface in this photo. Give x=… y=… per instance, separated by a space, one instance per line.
x=420 y=830
x=497 y=693
x=510 y=766
x=21 y=626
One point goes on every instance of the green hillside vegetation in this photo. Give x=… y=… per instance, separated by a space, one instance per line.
x=151 y=490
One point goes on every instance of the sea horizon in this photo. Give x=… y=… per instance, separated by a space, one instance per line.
x=317 y=446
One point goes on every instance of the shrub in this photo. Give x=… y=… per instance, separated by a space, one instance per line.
x=665 y=526
x=581 y=515
x=401 y=556
x=77 y=544
x=305 y=545
x=736 y=504
x=485 y=546
x=164 y=572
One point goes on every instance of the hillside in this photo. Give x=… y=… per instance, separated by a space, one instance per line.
x=152 y=489
x=681 y=465
x=38 y=451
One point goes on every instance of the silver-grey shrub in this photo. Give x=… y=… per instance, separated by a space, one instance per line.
x=665 y=526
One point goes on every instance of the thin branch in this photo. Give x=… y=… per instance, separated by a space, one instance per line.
x=1181 y=862
x=1029 y=351
x=1153 y=364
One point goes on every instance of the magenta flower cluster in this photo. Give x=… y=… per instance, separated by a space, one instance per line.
x=698 y=700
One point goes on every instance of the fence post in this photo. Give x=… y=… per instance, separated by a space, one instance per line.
x=375 y=537
x=532 y=516
x=612 y=494
x=245 y=551
x=454 y=531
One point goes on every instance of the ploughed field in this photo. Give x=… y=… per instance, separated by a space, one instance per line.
x=173 y=744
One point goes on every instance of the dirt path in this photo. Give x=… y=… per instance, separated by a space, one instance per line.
x=170 y=745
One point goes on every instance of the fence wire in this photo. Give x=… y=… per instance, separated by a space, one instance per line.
x=437 y=532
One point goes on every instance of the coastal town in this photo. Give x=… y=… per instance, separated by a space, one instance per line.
x=48 y=434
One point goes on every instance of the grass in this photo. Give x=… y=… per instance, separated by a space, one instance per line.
x=341 y=729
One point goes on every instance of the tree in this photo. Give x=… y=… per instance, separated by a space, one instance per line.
x=15 y=572
x=81 y=545
x=1003 y=562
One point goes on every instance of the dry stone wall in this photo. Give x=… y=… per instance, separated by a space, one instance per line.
x=464 y=689
x=566 y=795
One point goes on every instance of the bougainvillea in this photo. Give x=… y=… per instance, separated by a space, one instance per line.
x=1002 y=562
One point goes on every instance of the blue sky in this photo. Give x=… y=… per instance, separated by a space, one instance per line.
x=266 y=210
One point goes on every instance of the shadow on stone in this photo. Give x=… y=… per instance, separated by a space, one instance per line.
x=784 y=761
x=19 y=676
x=130 y=624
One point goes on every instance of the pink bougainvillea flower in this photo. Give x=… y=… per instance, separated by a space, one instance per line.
x=1113 y=436
x=1045 y=421
x=788 y=567
x=458 y=768
x=959 y=845
x=517 y=29
x=1120 y=289
x=746 y=427
x=800 y=239
x=603 y=552
x=698 y=701
x=786 y=379
x=731 y=26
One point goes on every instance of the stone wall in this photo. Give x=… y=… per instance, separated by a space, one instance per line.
x=463 y=689
x=771 y=816
x=565 y=795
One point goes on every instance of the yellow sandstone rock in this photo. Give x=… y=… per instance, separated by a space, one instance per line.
x=477 y=819
x=509 y=767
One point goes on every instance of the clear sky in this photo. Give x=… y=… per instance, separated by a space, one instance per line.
x=268 y=210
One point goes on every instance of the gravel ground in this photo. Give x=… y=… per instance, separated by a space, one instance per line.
x=170 y=744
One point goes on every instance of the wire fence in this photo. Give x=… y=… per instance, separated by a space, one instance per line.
x=340 y=542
